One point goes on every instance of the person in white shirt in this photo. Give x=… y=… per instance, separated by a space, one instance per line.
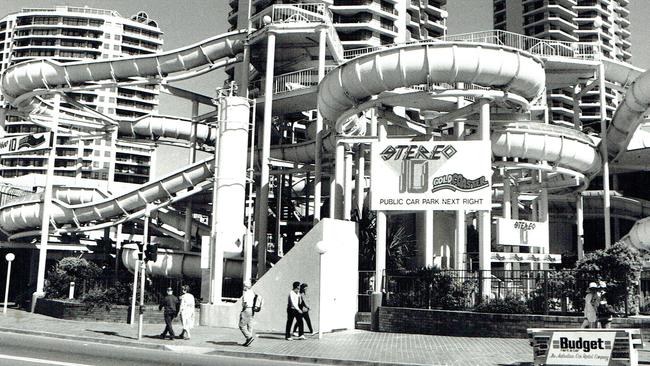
x=186 y=311
x=294 y=312
x=246 y=315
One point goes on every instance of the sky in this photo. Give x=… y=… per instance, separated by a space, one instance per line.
x=187 y=21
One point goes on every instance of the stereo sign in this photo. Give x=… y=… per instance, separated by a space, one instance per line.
x=580 y=348
x=431 y=175
x=520 y=232
x=21 y=143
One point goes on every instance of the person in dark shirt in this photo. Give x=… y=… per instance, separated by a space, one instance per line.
x=170 y=305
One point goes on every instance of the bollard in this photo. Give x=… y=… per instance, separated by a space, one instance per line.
x=71 y=292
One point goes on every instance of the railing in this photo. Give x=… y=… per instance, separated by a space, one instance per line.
x=541 y=291
x=536 y=46
x=296 y=80
x=299 y=13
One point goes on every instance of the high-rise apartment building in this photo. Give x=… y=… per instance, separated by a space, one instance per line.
x=604 y=22
x=68 y=34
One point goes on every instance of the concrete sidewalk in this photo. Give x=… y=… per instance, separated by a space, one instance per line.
x=353 y=347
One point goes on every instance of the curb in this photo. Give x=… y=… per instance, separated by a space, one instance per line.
x=210 y=351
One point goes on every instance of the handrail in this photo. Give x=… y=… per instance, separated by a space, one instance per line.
x=295 y=80
x=536 y=46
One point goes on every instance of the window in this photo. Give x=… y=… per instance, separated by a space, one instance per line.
x=107 y=46
x=116 y=47
x=106 y=165
x=96 y=153
x=118 y=37
x=95 y=163
x=108 y=155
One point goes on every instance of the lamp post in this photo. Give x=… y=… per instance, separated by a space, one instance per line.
x=10 y=258
x=322 y=248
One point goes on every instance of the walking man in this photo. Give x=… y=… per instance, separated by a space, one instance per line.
x=246 y=315
x=170 y=305
x=294 y=312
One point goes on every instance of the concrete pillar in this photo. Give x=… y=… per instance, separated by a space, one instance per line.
x=380 y=267
x=425 y=239
x=347 y=194
x=460 y=228
x=322 y=40
x=263 y=196
x=484 y=224
x=337 y=196
x=617 y=221
x=360 y=180
x=278 y=214
x=229 y=186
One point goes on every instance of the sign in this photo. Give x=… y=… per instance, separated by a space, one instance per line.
x=431 y=175
x=520 y=232
x=21 y=143
x=580 y=348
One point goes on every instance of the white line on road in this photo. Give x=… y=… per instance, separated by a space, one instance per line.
x=38 y=360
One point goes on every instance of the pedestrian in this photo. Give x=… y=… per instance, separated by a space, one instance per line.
x=170 y=305
x=304 y=307
x=186 y=311
x=591 y=306
x=246 y=315
x=294 y=312
x=605 y=311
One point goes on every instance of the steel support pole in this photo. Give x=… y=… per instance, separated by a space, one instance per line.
x=278 y=215
x=134 y=296
x=337 y=196
x=318 y=157
x=604 y=154
x=143 y=274
x=485 y=222
x=380 y=243
x=187 y=243
x=580 y=230
x=262 y=224
x=47 y=204
x=461 y=230
x=4 y=308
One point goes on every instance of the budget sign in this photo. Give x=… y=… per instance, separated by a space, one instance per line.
x=580 y=348
x=431 y=175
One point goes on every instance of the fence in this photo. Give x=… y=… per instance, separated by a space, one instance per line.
x=542 y=291
x=536 y=46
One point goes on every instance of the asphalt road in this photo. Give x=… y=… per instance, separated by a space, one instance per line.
x=28 y=350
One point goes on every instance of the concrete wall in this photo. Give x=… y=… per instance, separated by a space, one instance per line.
x=302 y=263
x=466 y=323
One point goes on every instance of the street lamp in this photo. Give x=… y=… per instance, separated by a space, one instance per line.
x=10 y=258
x=322 y=248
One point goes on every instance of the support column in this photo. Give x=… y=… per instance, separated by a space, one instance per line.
x=318 y=163
x=580 y=230
x=380 y=244
x=604 y=154
x=278 y=215
x=485 y=222
x=47 y=204
x=617 y=221
x=262 y=219
x=359 y=182
x=187 y=242
x=337 y=196
x=347 y=194
x=461 y=229
x=229 y=187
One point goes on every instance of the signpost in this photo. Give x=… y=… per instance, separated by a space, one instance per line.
x=431 y=175
x=9 y=258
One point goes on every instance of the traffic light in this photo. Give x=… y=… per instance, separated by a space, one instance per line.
x=151 y=253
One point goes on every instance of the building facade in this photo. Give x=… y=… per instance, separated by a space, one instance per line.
x=67 y=34
x=604 y=22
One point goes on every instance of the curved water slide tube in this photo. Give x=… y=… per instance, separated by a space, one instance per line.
x=496 y=67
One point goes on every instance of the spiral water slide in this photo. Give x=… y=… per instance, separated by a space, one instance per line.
x=506 y=71
x=21 y=83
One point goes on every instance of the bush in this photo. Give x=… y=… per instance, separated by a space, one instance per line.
x=119 y=294
x=69 y=269
x=507 y=305
x=432 y=288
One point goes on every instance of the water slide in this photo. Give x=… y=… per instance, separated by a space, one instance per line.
x=508 y=73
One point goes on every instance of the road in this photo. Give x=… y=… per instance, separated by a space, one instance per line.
x=28 y=350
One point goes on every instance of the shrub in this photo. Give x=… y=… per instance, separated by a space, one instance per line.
x=69 y=269
x=507 y=305
x=432 y=288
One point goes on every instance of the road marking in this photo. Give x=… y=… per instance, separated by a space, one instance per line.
x=38 y=360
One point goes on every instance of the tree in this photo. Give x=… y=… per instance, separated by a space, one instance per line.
x=69 y=269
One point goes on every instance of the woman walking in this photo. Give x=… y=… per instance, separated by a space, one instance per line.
x=591 y=307
x=187 y=311
x=304 y=306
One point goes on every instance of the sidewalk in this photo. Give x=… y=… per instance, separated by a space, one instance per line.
x=346 y=347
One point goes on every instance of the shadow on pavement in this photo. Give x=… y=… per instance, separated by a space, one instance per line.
x=112 y=333
x=517 y=364
x=225 y=343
